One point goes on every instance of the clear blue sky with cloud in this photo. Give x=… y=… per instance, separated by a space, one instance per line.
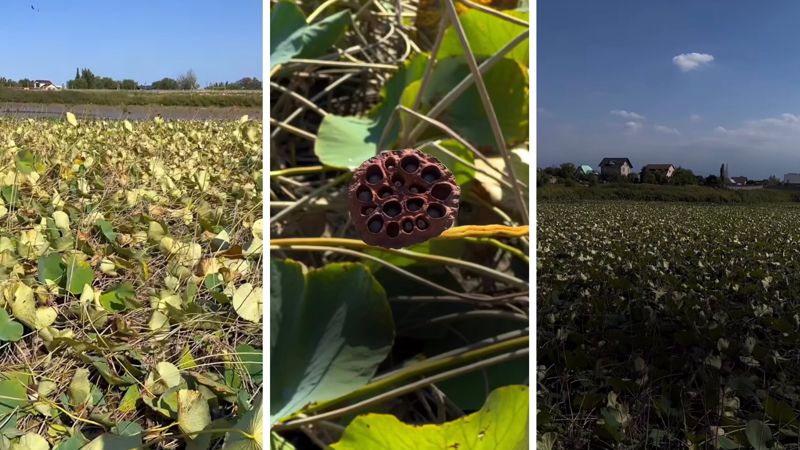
x=693 y=83
x=144 y=40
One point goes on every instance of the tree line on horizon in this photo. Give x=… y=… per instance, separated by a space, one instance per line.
x=568 y=174
x=86 y=79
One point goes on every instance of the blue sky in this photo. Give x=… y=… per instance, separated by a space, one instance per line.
x=143 y=40
x=693 y=83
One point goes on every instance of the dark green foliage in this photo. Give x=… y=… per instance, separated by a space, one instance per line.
x=123 y=97
x=649 y=192
x=662 y=323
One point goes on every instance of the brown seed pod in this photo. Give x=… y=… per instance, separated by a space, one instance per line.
x=402 y=197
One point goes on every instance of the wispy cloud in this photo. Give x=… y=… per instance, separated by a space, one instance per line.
x=627 y=114
x=784 y=129
x=694 y=118
x=666 y=130
x=692 y=61
x=633 y=127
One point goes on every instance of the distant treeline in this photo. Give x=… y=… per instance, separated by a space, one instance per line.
x=127 y=97
x=86 y=79
x=654 y=192
x=569 y=174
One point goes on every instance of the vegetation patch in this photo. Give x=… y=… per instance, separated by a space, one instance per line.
x=129 y=97
x=667 y=325
x=130 y=284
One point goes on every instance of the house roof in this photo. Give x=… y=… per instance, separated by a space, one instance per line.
x=43 y=81
x=585 y=168
x=658 y=167
x=740 y=179
x=615 y=162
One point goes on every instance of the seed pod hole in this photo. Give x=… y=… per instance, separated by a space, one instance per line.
x=398 y=181
x=385 y=192
x=390 y=164
x=374 y=174
x=410 y=164
x=435 y=211
x=442 y=191
x=408 y=225
x=431 y=174
x=422 y=223
x=375 y=224
x=416 y=189
x=414 y=204
x=392 y=208
x=392 y=229
x=367 y=210
x=364 y=194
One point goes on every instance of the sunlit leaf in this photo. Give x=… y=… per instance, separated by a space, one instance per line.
x=501 y=423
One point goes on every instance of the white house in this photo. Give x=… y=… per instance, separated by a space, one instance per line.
x=791 y=178
x=615 y=167
x=46 y=85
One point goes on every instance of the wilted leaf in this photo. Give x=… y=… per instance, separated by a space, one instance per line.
x=71 y=119
x=247 y=302
x=80 y=387
x=193 y=412
x=31 y=441
x=110 y=441
x=128 y=402
x=251 y=423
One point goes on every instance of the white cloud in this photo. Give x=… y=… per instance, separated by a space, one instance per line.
x=666 y=130
x=633 y=126
x=626 y=114
x=694 y=118
x=692 y=61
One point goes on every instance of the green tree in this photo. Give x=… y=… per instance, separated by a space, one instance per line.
x=567 y=171
x=682 y=177
x=166 y=84
x=648 y=177
x=129 y=84
x=89 y=78
x=80 y=83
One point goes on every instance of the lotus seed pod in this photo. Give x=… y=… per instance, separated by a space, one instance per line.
x=402 y=197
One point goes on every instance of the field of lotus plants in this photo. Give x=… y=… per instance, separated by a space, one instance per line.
x=130 y=284
x=668 y=325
